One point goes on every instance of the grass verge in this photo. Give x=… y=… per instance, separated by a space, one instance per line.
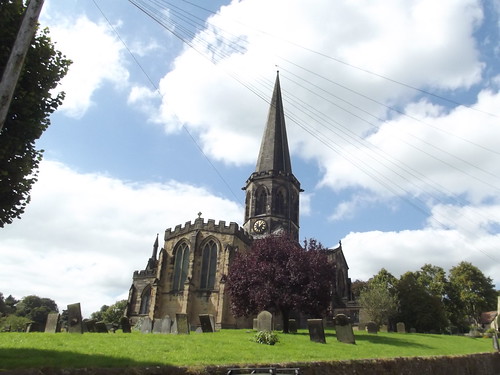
x=227 y=347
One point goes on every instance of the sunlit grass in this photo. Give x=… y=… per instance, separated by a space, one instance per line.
x=227 y=347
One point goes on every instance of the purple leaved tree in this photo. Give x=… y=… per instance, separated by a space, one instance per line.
x=276 y=273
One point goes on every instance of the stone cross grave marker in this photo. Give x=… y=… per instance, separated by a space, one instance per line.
x=52 y=325
x=75 y=324
x=182 y=324
x=125 y=324
x=265 y=321
x=343 y=329
x=316 y=330
x=400 y=327
x=372 y=327
x=207 y=323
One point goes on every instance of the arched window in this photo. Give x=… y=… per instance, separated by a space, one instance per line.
x=145 y=300
x=208 y=265
x=260 y=201
x=279 y=203
x=180 y=266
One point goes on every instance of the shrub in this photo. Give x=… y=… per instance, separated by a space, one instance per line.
x=266 y=337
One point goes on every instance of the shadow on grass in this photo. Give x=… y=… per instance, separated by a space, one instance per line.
x=39 y=358
x=396 y=341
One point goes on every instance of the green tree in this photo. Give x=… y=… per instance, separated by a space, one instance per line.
x=29 y=112
x=471 y=293
x=13 y=323
x=36 y=309
x=433 y=279
x=357 y=287
x=114 y=313
x=99 y=315
x=379 y=303
x=418 y=308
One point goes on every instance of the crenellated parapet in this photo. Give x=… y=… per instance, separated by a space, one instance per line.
x=209 y=226
x=144 y=274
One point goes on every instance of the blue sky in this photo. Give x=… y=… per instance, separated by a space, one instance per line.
x=392 y=117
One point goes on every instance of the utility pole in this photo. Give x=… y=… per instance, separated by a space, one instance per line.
x=17 y=55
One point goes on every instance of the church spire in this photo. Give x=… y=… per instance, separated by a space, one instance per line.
x=274 y=154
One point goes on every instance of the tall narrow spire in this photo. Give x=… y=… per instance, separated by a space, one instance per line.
x=274 y=154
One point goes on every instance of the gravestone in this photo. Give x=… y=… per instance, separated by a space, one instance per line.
x=146 y=325
x=198 y=330
x=125 y=324
x=343 y=329
x=32 y=327
x=316 y=330
x=255 y=325
x=166 y=325
x=372 y=327
x=52 y=325
x=90 y=325
x=75 y=324
x=182 y=324
x=157 y=325
x=413 y=330
x=384 y=328
x=100 y=327
x=362 y=326
x=207 y=323
x=265 y=321
x=400 y=327
x=292 y=326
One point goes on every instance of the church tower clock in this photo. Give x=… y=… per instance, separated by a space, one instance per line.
x=272 y=191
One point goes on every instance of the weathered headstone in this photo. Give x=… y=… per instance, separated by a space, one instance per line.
x=343 y=329
x=157 y=323
x=100 y=327
x=75 y=324
x=255 y=325
x=292 y=326
x=125 y=324
x=413 y=330
x=265 y=321
x=372 y=327
x=207 y=323
x=400 y=327
x=146 y=325
x=384 y=328
x=182 y=324
x=89 y=325
x=52 y=325
x=362 y=326
x=496 y=345
x=198 y=330
x=316 y=330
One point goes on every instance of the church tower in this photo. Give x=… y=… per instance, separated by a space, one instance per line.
x=272 y=191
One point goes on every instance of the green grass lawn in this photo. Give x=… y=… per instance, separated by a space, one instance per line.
x=227 y=347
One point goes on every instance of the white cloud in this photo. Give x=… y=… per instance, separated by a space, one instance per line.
x=97 y=57
x=83 y=235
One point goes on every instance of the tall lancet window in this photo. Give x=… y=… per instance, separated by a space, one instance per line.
x=260 y=201
x=279 y=203
x=208 y=265
x=145 y=300
x=180 y=266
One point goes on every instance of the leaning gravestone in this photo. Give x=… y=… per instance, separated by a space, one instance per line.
x=52 y=325
x=372 y=327
x=100 y=327
x=400 y=327
x=316 y=330
x=75 y=324
x=343 y=329
x=146 y=325
x=182 y=324
x=265 y=321
x=125 y=324
x=292 y=326
x=207 y=323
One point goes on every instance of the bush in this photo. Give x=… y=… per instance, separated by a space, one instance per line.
x=14 y=323
x=266 y=337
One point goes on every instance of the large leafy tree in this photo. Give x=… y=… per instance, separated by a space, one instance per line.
x=379 y=298
x=418 y=308
x=276 y=273
x=36 y=308
x=471 y=293
x=28 y=117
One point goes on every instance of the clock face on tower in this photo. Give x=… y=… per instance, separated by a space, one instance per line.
x=259 y=226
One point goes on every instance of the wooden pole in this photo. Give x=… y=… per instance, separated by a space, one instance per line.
x=16 y=60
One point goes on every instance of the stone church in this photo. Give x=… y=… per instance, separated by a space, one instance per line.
x=187 y=275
